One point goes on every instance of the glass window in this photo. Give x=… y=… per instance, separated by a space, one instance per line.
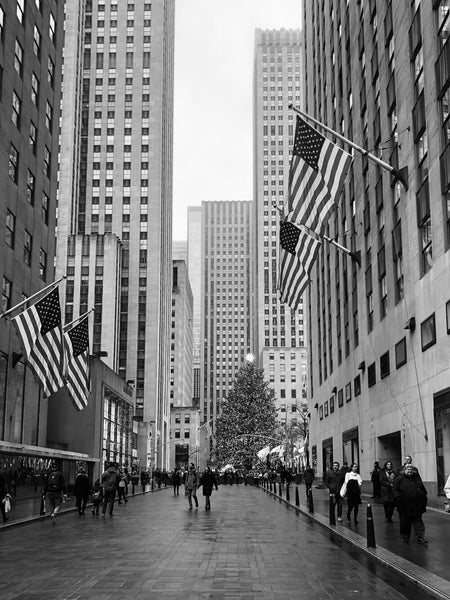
x=20 y=10
x=30 y=187
x=6 y=294
x=18 y=58
x=27 y=248
x=10 y=228
x=16 y=109
x=52 y=28
x=428 y=332
x=51 y=71
x=34 y=89
x=13 y=168
x=37 y=42
x=45 y=207
x=33 y=137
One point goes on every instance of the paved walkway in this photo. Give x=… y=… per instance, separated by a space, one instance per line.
x=428 y=565
x=250 y=546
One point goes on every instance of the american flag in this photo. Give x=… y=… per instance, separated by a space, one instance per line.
x=39 y=329
x=318 y=169
x=77 y=347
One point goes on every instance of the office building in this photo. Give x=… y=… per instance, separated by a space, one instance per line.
x=226 y=288
x=379 y=345
x=194 y=264
x=279 y=339
x=31 y=37
x=121 y=109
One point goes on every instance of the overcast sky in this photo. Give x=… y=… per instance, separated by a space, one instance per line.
x=214 y=46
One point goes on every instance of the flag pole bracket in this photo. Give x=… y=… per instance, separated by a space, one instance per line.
x=402 y=176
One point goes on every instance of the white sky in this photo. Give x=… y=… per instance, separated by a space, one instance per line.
x=213 y=126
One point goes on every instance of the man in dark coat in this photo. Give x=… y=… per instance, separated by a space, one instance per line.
x=410 y=497
x=110 y=483
x=334 y=480
x=208 y=481
x=81 y=490
x=308 y=479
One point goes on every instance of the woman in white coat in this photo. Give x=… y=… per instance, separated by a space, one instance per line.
x=353 y=483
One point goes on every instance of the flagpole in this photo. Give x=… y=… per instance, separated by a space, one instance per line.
x=356 y=256
x=400 y=174
x=33 y=296
x=78 y=319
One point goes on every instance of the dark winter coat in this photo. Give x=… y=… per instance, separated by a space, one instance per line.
x=410 y=495
x=82 y=487
x=387 y=480
x=208 y=481
x=334 y=481
x=309 y=476
x=110 y=479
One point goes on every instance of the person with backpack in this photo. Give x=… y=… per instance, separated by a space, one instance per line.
x=110 y=482
x=55 y=490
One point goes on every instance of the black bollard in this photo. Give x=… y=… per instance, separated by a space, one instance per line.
x=310 y=501
x=280 y=491
x=153 y=485
x=370 y=529
x=297 y=497
x=331 y=509
x=288 y=498
x=270 y=485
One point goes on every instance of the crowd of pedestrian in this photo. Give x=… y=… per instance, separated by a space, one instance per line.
x=403 y=490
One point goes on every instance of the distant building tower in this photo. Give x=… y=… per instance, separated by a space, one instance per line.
x=377 y=72
x=279 y=332
x=227 y=293
x=194 y=264
x=118 y=115
x=181 y=337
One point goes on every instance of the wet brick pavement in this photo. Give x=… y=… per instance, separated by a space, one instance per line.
x=250 y=546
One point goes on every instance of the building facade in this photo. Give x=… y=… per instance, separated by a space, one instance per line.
x=181 y=339
x=279 y=336
x=194 y=264
x=31 y=37
x=226 y=328
x=122 y=112
x=379 y=346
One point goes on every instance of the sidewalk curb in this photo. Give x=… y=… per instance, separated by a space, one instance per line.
x=433 y=585
x=65 y=511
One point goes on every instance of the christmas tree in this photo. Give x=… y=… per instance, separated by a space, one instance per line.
x=247 y=421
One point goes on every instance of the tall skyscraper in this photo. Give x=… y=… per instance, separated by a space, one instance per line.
x=194 y=264
x=226 y=282
x=122 y=113
x=279 y=342
x=31 y=37
x=379 y=332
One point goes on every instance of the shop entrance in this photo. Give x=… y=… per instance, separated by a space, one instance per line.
x=390 y=448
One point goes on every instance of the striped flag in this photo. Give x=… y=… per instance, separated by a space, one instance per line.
x=318 y=169
x=77 y=348
x=297 y=254
x=39 y=329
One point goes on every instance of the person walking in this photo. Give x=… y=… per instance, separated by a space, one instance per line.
x=4 y=495
x=308 y=479
x=97 y=497
x=353 y=483
x=122 y=487
x=176 y=480
x=410 y=496
x=55 y=490
x=375 y=479
x=191 y=485
x=110 y=482
x=334 y=480
x=81 y=490
x=208 y=481
x=387 y=478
